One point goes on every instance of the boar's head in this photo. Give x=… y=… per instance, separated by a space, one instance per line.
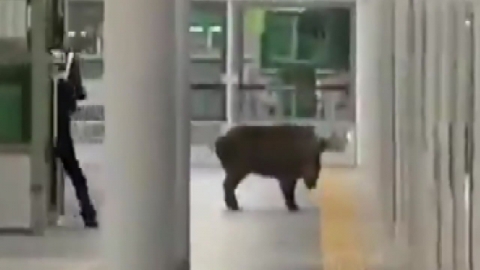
x=313 y=167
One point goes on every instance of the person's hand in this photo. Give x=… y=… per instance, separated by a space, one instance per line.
x=82 y=94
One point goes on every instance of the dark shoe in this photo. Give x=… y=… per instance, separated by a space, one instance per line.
x=91 y=224
x=90 y=219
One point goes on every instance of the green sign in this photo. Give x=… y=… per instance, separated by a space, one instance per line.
x=15 y=103
x=11 y=113
x=255 y=21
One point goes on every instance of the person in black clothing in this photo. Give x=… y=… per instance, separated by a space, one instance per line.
x=69 y=91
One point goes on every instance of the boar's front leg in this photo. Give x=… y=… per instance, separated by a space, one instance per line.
x=232 y=180
x=288 y=189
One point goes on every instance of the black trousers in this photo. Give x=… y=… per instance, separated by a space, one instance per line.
x=66 y=153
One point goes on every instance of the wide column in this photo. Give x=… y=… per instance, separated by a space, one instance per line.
x=367 y=84
x=140 y=134
x=370 y=62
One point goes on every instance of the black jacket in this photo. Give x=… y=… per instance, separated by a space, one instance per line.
x=69 y=91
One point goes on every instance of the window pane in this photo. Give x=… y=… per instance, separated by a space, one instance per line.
x=92 y=68
x=15 y=102
x=85 y=34
x=329 y=49
x=218 y=40
x=198 y=39
x=207 y=39
x=277 y=38
x=13 y=19
x=217 y=33
x=15 y=74
x=308 y=47
x=206 y=31
x=85 y=26
x=208 y=105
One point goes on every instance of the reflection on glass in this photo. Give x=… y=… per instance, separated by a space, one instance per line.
x=206 y=32
x=13 y=51
x=13 y=18
x=85 y=26
x=206 y=39
x=13 y=32
x=320 y=36
x=85 y=34
x=15 y=86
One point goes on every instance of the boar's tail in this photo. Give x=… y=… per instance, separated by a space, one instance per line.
x=222 y=150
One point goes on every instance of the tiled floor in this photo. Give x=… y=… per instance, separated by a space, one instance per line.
x=340 y=225
x=264 y=236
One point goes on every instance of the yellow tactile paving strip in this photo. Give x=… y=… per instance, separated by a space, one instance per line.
x=340 y=223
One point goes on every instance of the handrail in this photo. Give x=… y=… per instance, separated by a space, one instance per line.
x=259 y=87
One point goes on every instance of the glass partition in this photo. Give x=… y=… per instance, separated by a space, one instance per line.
x=207 y=33
x=320 y=36
x=15 y=74
x=84 y=26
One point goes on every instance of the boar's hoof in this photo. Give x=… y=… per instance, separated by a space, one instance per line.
x=233 y=208
x=292 y=208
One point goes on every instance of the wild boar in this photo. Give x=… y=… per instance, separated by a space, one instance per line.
x=285 y=152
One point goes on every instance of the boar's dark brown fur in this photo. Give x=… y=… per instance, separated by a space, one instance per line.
x=284 y=152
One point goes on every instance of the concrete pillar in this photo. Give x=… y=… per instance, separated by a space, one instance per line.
x=375 y=90
x=140 y=134
x=234 y=64
x=367 y=82
x=41 y=100
x=387 y=115
x=446 y=96
x=421 y=203
x=431 y=82
x=183 y=130
x=402 y=116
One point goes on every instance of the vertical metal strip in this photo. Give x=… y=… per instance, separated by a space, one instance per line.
x=387 y=145
x=476 y=121
x=446 y=88
x=470 y=142
x=438 y=195
x=430 y=129
x=231 y=76
x=459 y=131
x=400 y=78
x=470 y=146
x=436 y=119
x=397 y=181
x=396 y=134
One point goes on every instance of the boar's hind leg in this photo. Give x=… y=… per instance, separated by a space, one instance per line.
x=229 y=185
x=288 y=190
